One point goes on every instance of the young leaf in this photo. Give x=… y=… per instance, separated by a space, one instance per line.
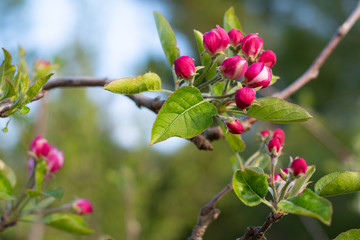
x=349 y=235
x=234 y=140
x=338 y=183
x=250 y=186
x=185 y=114
x=55 y=193
x=5 y=189
x=8 y=173
x=36 y=87
x=309 y=204
x=167 y=38
x=231 y=21
x=277 y=110
x=301 y=181
x=205 y=58
x=143 y=83
x=68 y=222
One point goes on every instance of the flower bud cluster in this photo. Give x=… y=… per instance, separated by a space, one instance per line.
x=276 y=143
x=41 y=149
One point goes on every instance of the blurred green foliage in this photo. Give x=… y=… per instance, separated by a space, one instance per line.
x=142 y=194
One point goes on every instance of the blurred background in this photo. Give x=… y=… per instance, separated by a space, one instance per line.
x=143 y=192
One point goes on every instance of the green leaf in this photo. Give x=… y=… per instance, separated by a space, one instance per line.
x=352 y=234
x=5 y=189
x=36 y=87
x=205 y=58
x=338 y=183
x=185 y=114
x=8 y=173
x=301 y=182
x=277 y=110
x=133 y=85
x=55 y=193
x=24 y=109
x=167 y=38
x=68 y=222
x=250 y=186
x=309 y=204
x=231 y=21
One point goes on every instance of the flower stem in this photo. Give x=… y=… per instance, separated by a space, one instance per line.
x=205 y=72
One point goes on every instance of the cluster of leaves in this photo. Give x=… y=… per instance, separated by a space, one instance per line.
x=34 y=199
x=17 y=86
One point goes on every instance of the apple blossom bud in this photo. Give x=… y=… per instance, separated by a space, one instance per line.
x=286 y=170
x=55 y=160
x=252 y=45
x=82 y=206
x=236 y=37
x=277 y=178
x=234 y=67
x=235 y=127
x=268 y=58
x=244 y=97
x=215 y=41
x=298 y=166
x=258 y=75
x=279 y=134
x=40 y=146
x=265 y=133
x=184 y=67
x=274 y=145
x=40 y=63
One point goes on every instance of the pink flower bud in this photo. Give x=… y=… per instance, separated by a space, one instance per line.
x=215 y=41
x=298 y=166
x=234 y=67
x=268 y=58
x=184 y=67
x=55 y=160
x=235 y=127
x=40 y=146
x=286 y=170
x=279 y=134
x=40 y=63
x=236 y=37
x=265 y=133
x=82 y=206
x=258 y=75
x=277 y=178
x=244 y=97
x=274 y=144
x=252 y=45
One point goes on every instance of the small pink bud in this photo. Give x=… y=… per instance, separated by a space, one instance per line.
x=244 y=97
x=286 y=170
x=40 y=63
x=55 y=160
x=265 y=133
x=258 y=75
x=40 y=146
x=268 y=58
x=277 y=178
x=184 y=67
x=236 y=37
x=252 y=45
x=82 y=206
x=234 y=67
x=215 y=41
x=298 y=166
x=235 y=127
x=279 y=134
x=274 y=144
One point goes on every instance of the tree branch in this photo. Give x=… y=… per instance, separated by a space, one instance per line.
x=257 y=233
x=208 y=213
